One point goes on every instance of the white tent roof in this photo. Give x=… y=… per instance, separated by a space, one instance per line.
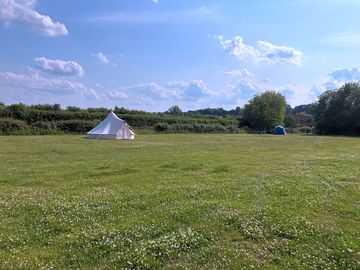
x=112 y=127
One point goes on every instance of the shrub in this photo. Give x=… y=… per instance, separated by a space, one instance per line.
x=161 y=127
x=13 y=126
x=44 y=128
x=195 y=128
x=75 y=126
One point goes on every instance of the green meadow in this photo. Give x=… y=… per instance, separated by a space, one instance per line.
x=189 y=201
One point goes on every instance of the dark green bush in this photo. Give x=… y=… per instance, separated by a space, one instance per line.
x=13 y=126
x=44 y=128
x=75 y=126
x=161 y=127
x=194 y=128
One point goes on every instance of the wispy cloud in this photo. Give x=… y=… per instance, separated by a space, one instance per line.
x=346 y=40
x=153 y=16
x=22 y=13
x=239 y=73
x=37 y=83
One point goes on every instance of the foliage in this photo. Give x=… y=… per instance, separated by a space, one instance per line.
x=75 y=126
x=73 y=109
x=265 y=111
x=17 y=111
x=194 y=128
x=13 y=126
x=290 y=121
x=175 y=110
x=44 y=128
x=307 y=108
x=51 y=119
x=338 y=111
x=217 y=112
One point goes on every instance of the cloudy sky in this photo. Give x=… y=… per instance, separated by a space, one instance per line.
x=150 y=55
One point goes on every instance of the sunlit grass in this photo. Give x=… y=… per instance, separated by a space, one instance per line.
x=180 y=202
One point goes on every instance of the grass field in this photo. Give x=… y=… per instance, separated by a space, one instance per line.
x=180 y=202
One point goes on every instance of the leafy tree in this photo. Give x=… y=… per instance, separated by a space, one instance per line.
x=56 y=107
x=306 y=108
x=288 y=110
x=338 y=111
x=73 y=109
x=17 y=111
x=290 y=121
x=42 y=107
x=175 y=110
x=265 y=111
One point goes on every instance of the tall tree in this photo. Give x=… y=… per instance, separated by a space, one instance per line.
x=338 y=111
x=265 y=111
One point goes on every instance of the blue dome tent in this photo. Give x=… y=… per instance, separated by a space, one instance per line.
x=279 y=130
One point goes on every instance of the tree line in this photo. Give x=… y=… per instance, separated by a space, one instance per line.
x=52 y=119
x=336 y=112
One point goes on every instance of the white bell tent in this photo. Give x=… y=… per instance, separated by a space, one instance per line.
x=111 y=128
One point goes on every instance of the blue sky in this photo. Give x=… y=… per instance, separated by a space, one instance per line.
x=150 y=55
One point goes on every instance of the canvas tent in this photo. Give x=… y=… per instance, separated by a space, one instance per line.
x=111 y=128
x=279 y=130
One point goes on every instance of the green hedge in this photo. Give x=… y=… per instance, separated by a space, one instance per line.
x=13 y=126
x=51 y=119
x=75 y=126
x=194 y=128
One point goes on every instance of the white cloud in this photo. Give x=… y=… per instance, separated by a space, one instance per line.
x=280 y=54
x=238 y=49
x=193 y=90
x=345 y=75
x=266 y=51
x=118 y=95
x=22 y=13
x=336 y=79
x=102 y=58
x=156 y=1
x=148 y=91
x=38 y=83
x=58 y=67
x=151 y=93
x=298 y=94
x=247 y=88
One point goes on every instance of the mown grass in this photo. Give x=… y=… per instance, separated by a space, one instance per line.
x=180 y=202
